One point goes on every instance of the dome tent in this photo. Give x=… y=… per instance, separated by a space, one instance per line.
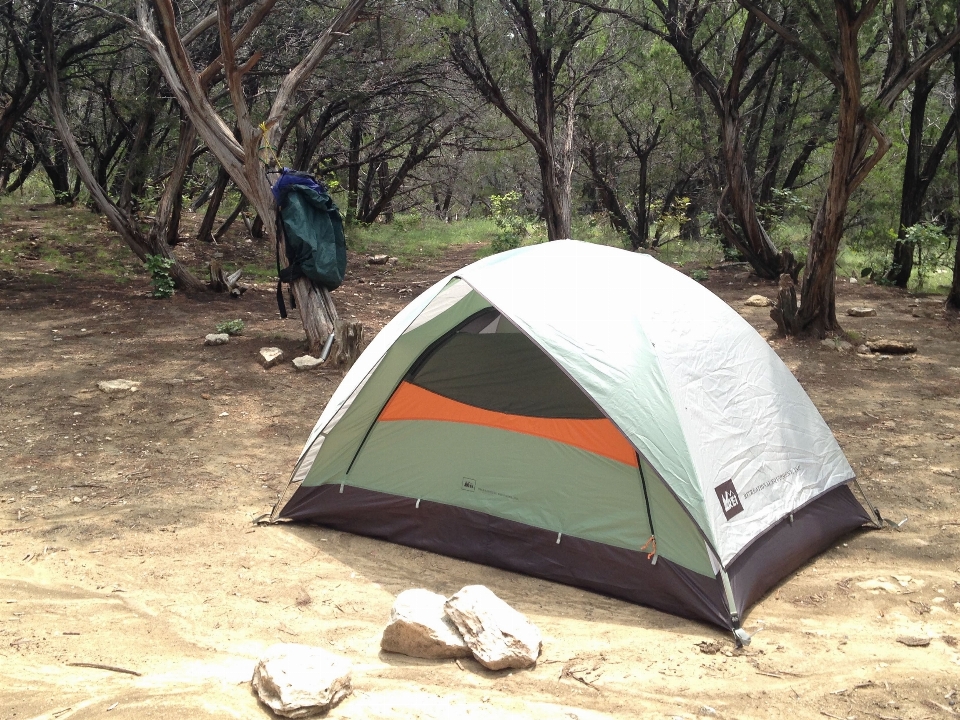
x=585 y=415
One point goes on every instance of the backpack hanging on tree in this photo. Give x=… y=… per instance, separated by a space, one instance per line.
x=312 y=228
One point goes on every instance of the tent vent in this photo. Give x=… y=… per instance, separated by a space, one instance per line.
x=791 y=518
x=418 y=503
x=341 y=488
x=559 y=535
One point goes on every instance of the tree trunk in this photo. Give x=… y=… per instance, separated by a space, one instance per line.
x=953 y=298
x=166 y=226
x=205 y=233
x=746 y=234
x=848 y=167
x=353 y=168
x=910 y=195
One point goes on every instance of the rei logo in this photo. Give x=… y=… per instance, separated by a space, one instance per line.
x=729 y=499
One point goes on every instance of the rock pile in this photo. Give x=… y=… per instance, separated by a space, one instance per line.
x=472 y=622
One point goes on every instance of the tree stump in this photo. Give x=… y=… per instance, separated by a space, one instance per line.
x=221 y=282
x=784 y=313
x=348 y=336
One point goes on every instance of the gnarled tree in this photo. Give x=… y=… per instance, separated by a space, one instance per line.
x=829 y=39
x=241 y=159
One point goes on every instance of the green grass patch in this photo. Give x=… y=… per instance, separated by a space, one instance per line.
x=415 y=238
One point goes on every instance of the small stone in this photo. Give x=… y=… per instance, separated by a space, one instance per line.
x=863 y=350
x=298 y=681
x=758 y=301
x=419 y=627
x=77 y=499
x=844 y=346
x=861 y=312
x=306 y=362
x=216 y=339
x=854 y=281
x=498 y=636
x=270 y=356
x=891 y=347
x=378 y=259
x=109 y=386
x=913 y=641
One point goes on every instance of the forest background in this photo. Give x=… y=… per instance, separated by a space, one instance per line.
x=800 y=136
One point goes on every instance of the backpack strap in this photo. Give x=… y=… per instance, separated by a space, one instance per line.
x=283 y=274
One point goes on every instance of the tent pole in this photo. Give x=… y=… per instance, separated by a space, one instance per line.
x=739 y=634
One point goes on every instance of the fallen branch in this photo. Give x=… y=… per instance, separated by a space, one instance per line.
x=111 y=668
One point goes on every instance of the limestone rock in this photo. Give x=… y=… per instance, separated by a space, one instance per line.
x=270 y=356
x=306 y=362
x=498 y=636
x=836 y=344
x=110 y=386
x=758 y=301
x=863 y=350
x=299 y=681
x=861 y=312
x=420 y=628
x=891 y=347
x=378 y=259
x=216 y=339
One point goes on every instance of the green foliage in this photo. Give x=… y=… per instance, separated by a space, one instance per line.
x=700 y=275
x=405 y=222
x=230 y=327
x=932 y=251
x=159 y=269
x=670 y=221
x=511 y=227
x=702 y=254
x=596 y=229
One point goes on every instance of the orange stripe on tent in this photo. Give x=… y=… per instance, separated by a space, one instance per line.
x=599 y=436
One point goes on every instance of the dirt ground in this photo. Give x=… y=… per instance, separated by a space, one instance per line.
x=127 y=533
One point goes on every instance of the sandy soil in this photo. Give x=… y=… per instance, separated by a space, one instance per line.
x=127 y=533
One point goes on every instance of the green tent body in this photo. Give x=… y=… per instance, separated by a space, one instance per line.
x=589 y=416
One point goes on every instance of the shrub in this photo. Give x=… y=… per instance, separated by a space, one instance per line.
x=230 y=327
x=159 y=269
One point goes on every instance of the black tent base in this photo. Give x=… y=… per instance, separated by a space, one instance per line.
x=617 y=572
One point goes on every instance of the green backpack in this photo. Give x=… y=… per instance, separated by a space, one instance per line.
x=312 y=227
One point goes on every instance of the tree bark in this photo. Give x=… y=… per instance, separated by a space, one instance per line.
x=205 y=233
x=953 y=297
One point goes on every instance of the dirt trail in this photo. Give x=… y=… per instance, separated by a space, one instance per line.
x=127 y=535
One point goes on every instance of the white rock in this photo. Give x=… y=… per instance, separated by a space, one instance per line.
x=216 y=339
x=497 y=635
x=861 y=312
x=758 y=301
x=863 y=350
x=109 y=386
x=270 y=356
x=854 y=281
x=298 y=681
x=305 y=362
x=420 y=628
